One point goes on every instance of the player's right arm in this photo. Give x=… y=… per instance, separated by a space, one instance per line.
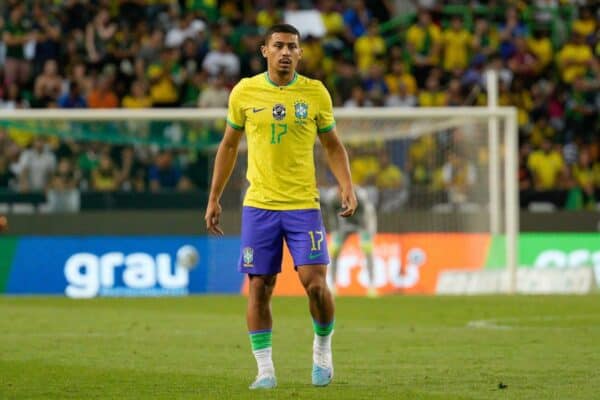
x=226 y=157
x=224 y=163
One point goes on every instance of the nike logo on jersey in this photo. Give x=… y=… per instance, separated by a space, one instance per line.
x=255 y=110
x=314 y=256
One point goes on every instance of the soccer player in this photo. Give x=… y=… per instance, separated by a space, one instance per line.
x=3 y=223
x=282 y=113
x=363 y=222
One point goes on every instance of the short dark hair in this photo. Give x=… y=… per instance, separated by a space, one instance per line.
x=281 y=28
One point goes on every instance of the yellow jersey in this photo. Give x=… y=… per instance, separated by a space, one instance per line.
x=456 y=49
x=281 y=125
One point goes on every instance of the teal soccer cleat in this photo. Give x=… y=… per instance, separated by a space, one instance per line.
x=264 y=382
x=321 y=376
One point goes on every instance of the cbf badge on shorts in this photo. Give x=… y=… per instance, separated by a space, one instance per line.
x=248 y=255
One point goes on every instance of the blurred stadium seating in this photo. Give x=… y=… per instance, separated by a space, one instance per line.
x=168 y=53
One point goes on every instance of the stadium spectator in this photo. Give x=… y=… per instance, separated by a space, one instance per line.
x=12 y=98
x=188 y=27
x=392 y=187
x=420 y=160
x=151 y=46
x=364 y=165
x=582 y=110
x=98 y=35
x=509 y=30
x=336 y=33
x=397 y=75
x=356 y=18
x=540 y=47
x=585 y=24
x=73 y=98
x=523 y=62
x=78 y=72
x=542 y=130
x=456 y=42
x=268 y=16
x=17 y=34
x=133 y=170
x=48 y=85
x=432 y=95
x=458 y=176
x=163 y=173
x=345 y=79
x=137 y=97
x=583 y=180
x=46 y=26
x=215 y=95
x=313 y=55
x=402 y=98
x=423 y=40
x=389 y=176
x=63 y=194
x=525 y=177
x=547 y=167
x=192 y=54
x=105 y=176
x=222 y=59
x=36 y=166
x=485 y=40
x=574 y=58
x=163 y=91
x=375 y=85
x=196 y=175
x=358 y=98
x=103 y=94
x=8 y=180
x=369 y=47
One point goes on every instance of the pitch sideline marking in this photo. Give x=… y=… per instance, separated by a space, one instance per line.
x=496 y=323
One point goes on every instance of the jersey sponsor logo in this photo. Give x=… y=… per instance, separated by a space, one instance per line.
x=248 y=255
x=257 y=109
x=279 y=112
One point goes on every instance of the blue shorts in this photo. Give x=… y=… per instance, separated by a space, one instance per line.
x=263 y=232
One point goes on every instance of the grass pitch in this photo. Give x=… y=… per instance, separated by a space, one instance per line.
x=387 y=348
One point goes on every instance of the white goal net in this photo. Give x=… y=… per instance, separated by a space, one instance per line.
x=442 y=182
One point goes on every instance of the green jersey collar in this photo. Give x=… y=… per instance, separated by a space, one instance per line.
x=290 y=83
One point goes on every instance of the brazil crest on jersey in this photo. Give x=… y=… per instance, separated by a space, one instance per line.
x=281 y=125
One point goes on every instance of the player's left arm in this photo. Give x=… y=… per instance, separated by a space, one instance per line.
x=337 y=158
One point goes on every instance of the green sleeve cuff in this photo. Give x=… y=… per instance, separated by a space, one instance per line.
x=234 y=126
x=327 y=128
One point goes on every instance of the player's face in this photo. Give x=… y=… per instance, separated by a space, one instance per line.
x=282 y=52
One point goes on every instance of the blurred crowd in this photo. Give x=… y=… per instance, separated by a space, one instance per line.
x=190 y=53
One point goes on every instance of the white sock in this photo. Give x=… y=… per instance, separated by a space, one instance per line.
x=322 y=350
x=264 y=361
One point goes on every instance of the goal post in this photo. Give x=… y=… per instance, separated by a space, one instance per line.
x=483 y=140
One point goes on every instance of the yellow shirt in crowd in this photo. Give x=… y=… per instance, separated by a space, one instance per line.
x=456 y=49
x=546 y=167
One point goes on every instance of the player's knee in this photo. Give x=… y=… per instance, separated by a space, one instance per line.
x=262 y=287
x=316 y=289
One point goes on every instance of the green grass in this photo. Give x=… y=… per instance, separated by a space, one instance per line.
x=388 y=348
